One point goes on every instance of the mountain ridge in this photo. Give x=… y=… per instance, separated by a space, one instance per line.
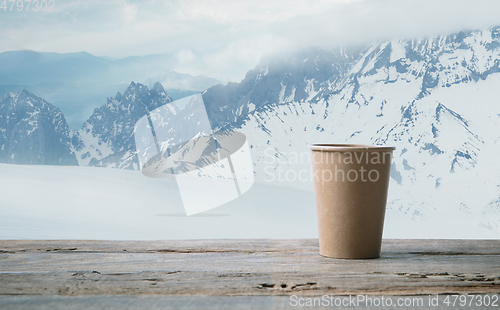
x=434 y=99
x=77 y=82
x=106 y=138
x=33 y=131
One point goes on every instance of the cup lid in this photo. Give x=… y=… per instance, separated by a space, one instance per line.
x=325 y=147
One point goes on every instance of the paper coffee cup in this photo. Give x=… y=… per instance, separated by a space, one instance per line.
x=350 y=184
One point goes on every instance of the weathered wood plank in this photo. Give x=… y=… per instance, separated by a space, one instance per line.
x=438 y=246
x=244 y=267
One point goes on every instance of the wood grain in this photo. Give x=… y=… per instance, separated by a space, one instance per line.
x=244 y=267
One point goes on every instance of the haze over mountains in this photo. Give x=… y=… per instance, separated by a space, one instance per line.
x=78 y=82
x=435 y=99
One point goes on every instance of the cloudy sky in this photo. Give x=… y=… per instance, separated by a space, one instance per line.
x=224 y=38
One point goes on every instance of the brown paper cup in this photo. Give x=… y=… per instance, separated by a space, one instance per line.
x=350 y=183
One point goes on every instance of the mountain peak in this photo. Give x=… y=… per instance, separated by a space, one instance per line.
x=24 y=93
x=25 y=98
x=131 y=86
x=40 y=130
x=112 y=126
x=136 y=86
x=135 y=91
x=158 y=87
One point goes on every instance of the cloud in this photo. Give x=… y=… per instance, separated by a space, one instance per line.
x=366 y=21
x=227 y=38
x=230 y=62
x=129 y=12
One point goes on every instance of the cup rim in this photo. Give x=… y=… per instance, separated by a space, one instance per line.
x=332 y=147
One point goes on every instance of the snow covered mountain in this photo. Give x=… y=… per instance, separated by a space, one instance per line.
x=32 y=131
x=435 y=99
x=277 y=80
x=106 y=138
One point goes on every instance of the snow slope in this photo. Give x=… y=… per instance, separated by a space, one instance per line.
x=438 y=104
x=99 y=203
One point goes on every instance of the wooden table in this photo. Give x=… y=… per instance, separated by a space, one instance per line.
x=250 y=271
